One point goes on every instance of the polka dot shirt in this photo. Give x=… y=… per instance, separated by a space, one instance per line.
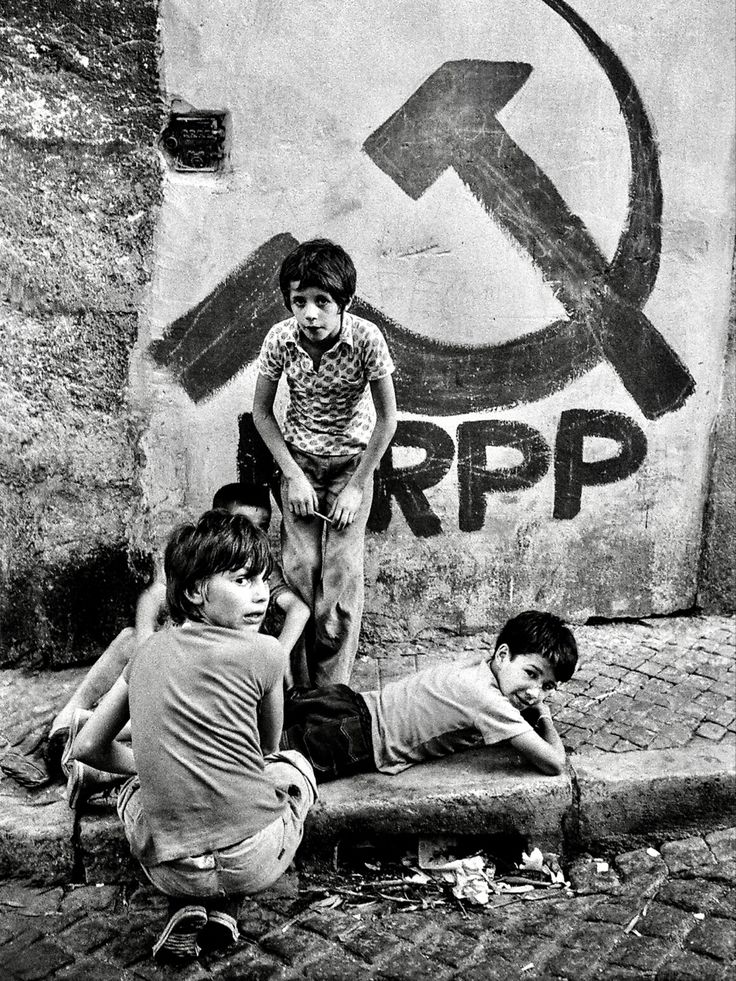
x=330 y=411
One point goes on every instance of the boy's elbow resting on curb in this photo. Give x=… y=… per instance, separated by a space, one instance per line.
x=551 y=768
x=547 y=758
x=551 y=762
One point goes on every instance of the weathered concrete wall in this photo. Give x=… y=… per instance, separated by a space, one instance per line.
x=79 y=113
x=539 y=205
x=544 y=232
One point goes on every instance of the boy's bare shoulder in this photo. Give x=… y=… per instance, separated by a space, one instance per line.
x=263 y=643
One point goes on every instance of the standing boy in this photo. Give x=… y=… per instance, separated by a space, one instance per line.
x=334 y=434
x=215 y=811
x=443 y=709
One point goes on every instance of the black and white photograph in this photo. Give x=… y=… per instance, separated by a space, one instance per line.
x=367 y=490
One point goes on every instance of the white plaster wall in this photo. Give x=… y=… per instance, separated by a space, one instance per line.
x=306 y=83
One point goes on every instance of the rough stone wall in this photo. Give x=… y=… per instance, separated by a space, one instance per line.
x=78 y=120
x=717 y=585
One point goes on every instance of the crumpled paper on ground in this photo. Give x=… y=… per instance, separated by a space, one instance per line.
x=471 y=879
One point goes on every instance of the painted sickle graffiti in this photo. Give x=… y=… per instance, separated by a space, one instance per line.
x=212 y=342
x=450 y=121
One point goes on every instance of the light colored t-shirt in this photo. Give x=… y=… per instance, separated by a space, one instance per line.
x=330 y=411
x=194 y=692
x=437 y=712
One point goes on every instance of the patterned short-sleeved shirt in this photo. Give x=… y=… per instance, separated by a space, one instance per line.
x=330 y=411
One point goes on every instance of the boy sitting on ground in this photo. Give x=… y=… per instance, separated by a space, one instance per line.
x=215 y=811
x=441 y=710
x=253 y=502
x=287 y=614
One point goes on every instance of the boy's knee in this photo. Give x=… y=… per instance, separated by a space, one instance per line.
x=287 y=768
x=299 y=561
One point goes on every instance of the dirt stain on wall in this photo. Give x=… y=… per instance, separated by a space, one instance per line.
x=79 y=115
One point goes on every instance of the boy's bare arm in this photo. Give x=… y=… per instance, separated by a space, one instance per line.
x=271 y=719
x=542 y=747
x=296 y=615
x=348 y=500
x=149 y=607
x=96 y=744
x=301 y=496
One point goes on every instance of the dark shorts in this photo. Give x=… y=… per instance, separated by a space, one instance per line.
x=331 y=726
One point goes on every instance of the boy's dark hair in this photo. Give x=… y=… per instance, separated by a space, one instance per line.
x=323 y=265
x=218 y=542
x=249 y=495
x=534 y=632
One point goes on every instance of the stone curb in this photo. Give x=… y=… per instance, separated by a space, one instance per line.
x=603 y=795
x=636 y=793
x=36 y=841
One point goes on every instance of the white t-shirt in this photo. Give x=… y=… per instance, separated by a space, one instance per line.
x=194 y=693
x=437 y=712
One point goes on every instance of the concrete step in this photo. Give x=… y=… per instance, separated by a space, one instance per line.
x=603 y=795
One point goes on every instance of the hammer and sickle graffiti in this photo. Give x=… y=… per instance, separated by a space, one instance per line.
x=451 y=121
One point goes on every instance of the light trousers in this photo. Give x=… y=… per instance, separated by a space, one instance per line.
x=325 y=566
x=249 y=865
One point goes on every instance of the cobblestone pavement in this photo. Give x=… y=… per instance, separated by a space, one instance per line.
x=667 y=914
x=653 y=684
x=661 y=683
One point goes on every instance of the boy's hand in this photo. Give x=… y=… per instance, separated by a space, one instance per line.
x=543 y=746
x=301 y=497
x=346 y=506
x=534 y=713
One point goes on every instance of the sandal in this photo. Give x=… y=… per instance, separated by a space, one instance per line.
x=178 y=938
x=29 y=771
x=55 y=747
x=221 y=930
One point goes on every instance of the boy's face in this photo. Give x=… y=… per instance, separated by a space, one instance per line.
x=317 y=314
x=257 y=516
x=232 y=599
x=525 y=680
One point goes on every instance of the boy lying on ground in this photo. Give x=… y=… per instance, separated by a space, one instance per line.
x=441 y=710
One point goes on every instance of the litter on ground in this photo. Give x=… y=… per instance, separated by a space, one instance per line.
x=437 y=873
